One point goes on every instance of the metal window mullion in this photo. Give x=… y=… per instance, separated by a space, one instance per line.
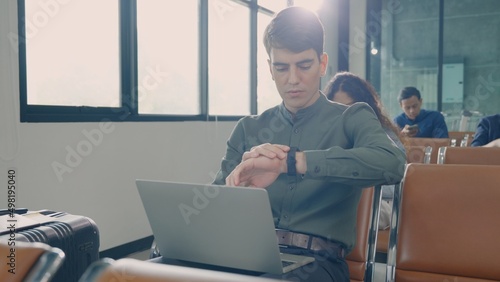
x=253 y=57
x=203 y=54
x=440 y=57
x=21 y=25
x=128 y=57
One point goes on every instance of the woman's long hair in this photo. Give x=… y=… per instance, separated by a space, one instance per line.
x=360 y=91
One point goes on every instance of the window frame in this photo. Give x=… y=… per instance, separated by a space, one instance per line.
x=128 y=111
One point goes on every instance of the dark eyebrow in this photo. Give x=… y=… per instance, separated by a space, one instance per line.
x=305 y=61
x=280 y=64
x=298 y=63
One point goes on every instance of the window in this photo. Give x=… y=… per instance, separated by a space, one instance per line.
x=128 y=60
x=228 y=58
x=168 y=57
x=59 y=58
x=448 y=49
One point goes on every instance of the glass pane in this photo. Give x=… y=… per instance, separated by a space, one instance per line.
x=273 y=5
x=471 y=64
x=267 y=95
x=409 y=51
x=72 y=53
x=168 y=60
x=313 y=5
x=229 y=58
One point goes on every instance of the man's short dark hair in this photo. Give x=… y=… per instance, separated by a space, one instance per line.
x=408 y=92
x=296 y=29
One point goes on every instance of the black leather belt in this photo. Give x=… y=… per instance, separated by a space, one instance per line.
x=309 y=242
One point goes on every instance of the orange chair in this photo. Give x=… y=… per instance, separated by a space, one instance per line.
x=418 y=154
x=29 y=261
x=414 y=154
x=359 y=262
x=434 y=143
x=445 y=224
x=127 y=269
x=469 y=155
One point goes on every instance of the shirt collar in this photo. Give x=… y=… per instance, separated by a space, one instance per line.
x=302 y=113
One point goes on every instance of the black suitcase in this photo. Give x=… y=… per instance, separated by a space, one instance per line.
x=77 y=236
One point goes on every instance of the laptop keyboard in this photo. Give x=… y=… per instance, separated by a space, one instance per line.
x=286 y=263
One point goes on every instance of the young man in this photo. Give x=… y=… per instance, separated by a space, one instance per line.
x=313 y=156
x=416 y=122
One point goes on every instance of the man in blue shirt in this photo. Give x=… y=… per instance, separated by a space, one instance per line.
x=416 y=122
x=487 y=132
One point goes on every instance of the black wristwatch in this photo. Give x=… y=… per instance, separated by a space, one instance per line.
x=291 y=162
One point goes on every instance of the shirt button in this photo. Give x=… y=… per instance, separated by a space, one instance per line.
x=317 y=169
x=355 y=173
x=296 y=130
x=291 y=187
x=285 y=216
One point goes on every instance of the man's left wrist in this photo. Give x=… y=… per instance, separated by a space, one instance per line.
x=291 y=161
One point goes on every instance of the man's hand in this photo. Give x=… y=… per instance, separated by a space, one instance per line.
x=258 y=171
x=267 y=150
x=409 y=131
x=494 y=143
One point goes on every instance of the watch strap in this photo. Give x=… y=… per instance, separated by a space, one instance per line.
x=291 y=161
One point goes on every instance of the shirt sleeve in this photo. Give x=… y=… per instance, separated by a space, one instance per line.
x=373 y=159
x=481 y=136
x=440 y=129
x=234 y=152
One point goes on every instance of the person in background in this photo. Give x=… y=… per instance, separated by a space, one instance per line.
x=417 y=122
x=348 y=88
x=487 y=132
x=313 y=156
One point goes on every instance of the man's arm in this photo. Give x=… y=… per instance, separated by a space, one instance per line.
x=374 y=159
x=440 y=129
x=481 y=136
x=234 y=152
x=494 y=143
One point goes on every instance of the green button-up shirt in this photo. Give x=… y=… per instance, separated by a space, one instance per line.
x=346 y=150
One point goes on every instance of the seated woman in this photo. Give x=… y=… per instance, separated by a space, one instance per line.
x=347 y=88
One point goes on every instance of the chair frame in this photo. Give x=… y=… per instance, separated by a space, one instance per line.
x=373 y=233
x=488 y=155
x=128 y=269
x=46 y=265
x=371 y=238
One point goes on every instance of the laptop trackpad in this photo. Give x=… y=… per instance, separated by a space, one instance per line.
x=291 y=262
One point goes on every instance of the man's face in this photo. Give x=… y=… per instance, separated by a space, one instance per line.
x=411 y=107
x=297 y=76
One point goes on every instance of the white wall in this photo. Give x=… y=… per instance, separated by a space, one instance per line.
x=101 y=185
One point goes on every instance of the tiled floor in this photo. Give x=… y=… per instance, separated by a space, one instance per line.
x=144 y=255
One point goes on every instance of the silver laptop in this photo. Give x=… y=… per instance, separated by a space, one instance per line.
x=216 y=225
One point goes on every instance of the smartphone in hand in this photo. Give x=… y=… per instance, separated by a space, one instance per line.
x=413 y=127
